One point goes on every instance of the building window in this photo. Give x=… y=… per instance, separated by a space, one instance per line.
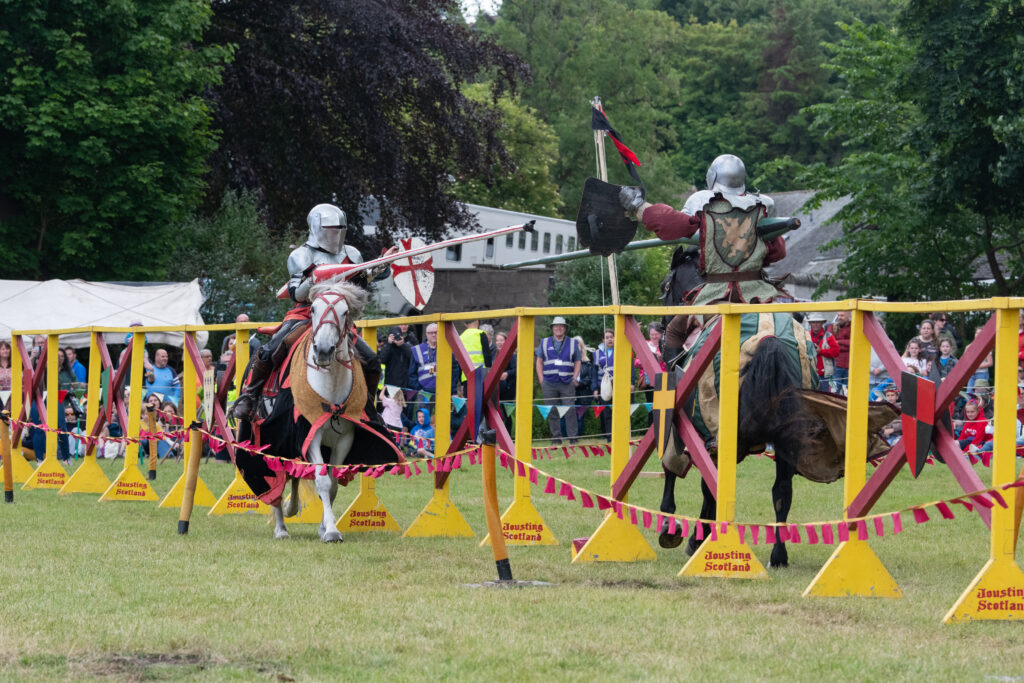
x=454 y=253
x=522 y=240
x=558 y=244
x=571 y=246
x=489 y=253
x=547 y=243
x=509 y=239
x=534 y=241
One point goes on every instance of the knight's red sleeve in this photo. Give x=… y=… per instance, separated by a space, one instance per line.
x=776 y=250
x=669 y=224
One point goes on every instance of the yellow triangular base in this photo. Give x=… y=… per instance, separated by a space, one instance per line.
x=20 y=467
x=49 y=475
x=238 y=499
x=725 y=558
x=997 y=592
x=311 y=509
x=439 y=518
x=616 y=540
x=174 y=497
x=88 y=478
x=130 y=485
x=367 y=513
x=853 y=569
x=522 y=525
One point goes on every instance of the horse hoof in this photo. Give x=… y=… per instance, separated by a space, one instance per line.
x=692 y=546
x=332 y=536
x=779 y=560
x=667 y=540
x=281 y=534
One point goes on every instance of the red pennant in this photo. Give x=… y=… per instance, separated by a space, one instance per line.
x=660 y=523
x=755 y=531
x=566 y=491
x=844 y=532
x=685 y=526
x=586 y=500
x=944 y=511
x=879 y=528
x=550 y=486
x=743 y=533
x=699 y=528
x=769 y=534
x=998 y=497
x=533 y=476
x=520 y=467
x=632 y=515
x=794 y=533
x=812 y=534
x=714 y=533
x=647 y=519
x=672 y=525
x=920 y=516
x=862 y=530
x=981 y=500
x=603 y=503
x=826 y=534
x=782 y=533
x=897 y=523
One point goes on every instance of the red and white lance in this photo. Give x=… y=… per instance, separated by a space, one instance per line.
x=406 y=264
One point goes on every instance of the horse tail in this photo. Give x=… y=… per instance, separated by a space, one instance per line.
x=770 y=407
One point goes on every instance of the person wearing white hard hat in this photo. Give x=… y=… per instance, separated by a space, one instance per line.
x=825 y=343
x=558 y=361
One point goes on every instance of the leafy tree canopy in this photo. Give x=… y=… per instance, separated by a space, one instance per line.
x=103 y=133
x=330 y=100
x=533 y=149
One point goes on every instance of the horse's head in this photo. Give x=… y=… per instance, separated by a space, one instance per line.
x=333 y=309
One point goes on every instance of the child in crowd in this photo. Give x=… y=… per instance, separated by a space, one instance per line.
x=944 y=363
x=913 y=359
x=975 y=430
x=894 y=430
x=392 y=409
x=422 y=442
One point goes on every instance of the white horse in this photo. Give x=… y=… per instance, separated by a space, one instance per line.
x=328 y=359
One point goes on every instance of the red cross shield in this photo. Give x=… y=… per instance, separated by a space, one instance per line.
x=414 y=275
x=918 y=419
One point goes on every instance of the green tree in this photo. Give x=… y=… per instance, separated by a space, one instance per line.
x=933 y=183
x=525 y=184
x=626 y=52
x=239 y=263
x=104 y=133
x=584 y=282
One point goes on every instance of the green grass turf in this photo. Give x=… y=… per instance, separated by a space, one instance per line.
x=98 y=590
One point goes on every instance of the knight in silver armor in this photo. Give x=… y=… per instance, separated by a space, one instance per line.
x=732 y=253
x=326 y=246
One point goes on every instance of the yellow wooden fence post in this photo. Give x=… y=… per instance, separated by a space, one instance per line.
x=90 y=477
x=366 y=512
x=130 y=484
x=616 y=540
x=20 y=468
x=50 y=474
x=521 y=523
x=440 y=517
x=997 y=592
x=724 y=554
x=853 y=568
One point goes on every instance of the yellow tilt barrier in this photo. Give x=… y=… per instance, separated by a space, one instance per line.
x=367 y=512
x=440 y=517
x=616 y=540
x=50 y=474
x=130 y=484
x=89 y=477
x=997 y=592
x=724 y=554
x=238 y=498
x=21 y=470
x=854 y=569
x=203 y=496
x=522 y=524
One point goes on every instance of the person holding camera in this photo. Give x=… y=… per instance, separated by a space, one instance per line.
x=395 y=354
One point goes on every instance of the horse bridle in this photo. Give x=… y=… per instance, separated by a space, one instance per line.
x=343 y=337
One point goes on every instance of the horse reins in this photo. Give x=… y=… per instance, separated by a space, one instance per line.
x=336 y=322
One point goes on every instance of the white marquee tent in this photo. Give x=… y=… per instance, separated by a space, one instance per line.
x=62 y=304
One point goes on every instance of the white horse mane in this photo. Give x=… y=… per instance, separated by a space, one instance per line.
x=356 y=297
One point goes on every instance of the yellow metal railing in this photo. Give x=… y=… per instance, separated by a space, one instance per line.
x=617 y=539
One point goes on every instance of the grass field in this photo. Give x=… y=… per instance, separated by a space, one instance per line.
x=93 y=590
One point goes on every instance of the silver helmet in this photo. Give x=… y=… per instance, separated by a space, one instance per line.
x=727 y=175
x=327 y=227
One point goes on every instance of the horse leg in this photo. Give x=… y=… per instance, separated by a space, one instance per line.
x=328 y=526
x=668 y=505
x=708 y=510
x=293 y=500
x=279 y=529
x=782 y=500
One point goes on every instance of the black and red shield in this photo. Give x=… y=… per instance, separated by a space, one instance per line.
x=918 y=419
x=601 y=223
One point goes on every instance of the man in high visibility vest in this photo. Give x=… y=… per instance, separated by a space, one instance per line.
x=477 y=345
x=558 y=366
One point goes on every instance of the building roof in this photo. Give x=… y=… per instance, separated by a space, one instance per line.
x=805 y=258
